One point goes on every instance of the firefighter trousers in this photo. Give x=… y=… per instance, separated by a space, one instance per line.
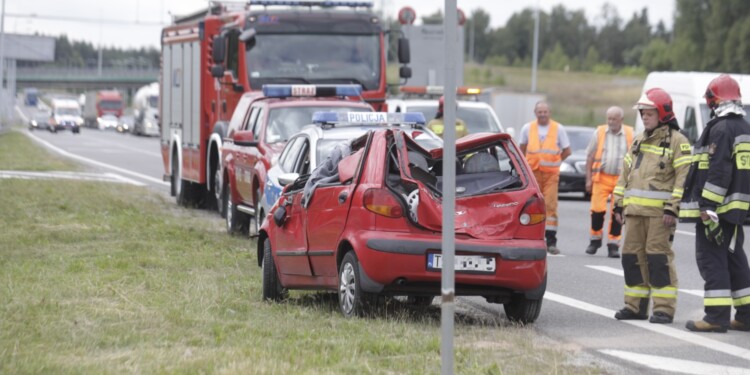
x=549 y=183
x=648 y=264
x=725 y=271
x=601 y=191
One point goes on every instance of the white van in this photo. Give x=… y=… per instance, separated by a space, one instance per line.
x=66 y=114
x=686 y=90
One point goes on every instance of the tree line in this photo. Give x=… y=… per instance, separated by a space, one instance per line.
x=708 y=35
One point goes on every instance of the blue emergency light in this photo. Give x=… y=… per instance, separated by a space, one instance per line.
x=285 y=91
x=368 y=118
x=325 y=4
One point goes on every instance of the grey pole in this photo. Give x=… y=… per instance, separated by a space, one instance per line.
x=536 y=48
x=2 y=61
x=448 y=293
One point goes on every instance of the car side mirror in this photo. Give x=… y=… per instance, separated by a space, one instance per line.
x=288 y=178
x=279 y=216
x=244 y=138
x=404 y=72
x=248 y=36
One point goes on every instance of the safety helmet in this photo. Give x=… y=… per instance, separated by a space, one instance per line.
x=720 y=89
x=658 y=99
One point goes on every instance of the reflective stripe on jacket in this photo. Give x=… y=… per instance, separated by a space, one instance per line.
x=544 y=156
x=719 y=177
x=653 y=173
x=601 y=134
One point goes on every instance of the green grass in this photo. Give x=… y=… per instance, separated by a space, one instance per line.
x=110 y=278
x=18 y=153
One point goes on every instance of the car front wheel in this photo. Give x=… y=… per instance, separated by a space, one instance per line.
x=272 y=289
x=353 y=301
x=235 y=219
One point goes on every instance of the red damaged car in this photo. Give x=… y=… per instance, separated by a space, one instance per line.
x=367 y=222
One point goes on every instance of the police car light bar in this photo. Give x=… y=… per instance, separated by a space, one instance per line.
x=285 y=91
x=438 y=90
x=323 y=4
x=368 y=118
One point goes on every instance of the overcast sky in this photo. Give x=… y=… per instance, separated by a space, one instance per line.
x=135 y=23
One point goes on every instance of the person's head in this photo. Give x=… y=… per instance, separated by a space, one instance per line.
x=721 y=89
x=542 y=113
x=655 y=107
x=614 y=118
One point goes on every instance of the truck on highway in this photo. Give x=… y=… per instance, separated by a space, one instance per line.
x=146 y=110
x=210 y=58
x=100 y=103
x=30 y=97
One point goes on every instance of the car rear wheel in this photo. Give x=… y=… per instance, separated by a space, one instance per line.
x=524 y=310
x=236 y=221
x=257 y=219
x=353 y=301
x=272 y=289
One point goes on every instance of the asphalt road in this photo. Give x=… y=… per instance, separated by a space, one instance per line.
x=583 y=291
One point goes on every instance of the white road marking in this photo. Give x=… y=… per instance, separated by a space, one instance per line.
x=676 y=365
x=619 y=272
x=103 y=177
x=94 y=162
x=685 y=233
x=679 y=334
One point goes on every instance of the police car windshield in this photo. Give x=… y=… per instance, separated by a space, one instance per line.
x=283 y=58
x=477 y=119
x=284 y=122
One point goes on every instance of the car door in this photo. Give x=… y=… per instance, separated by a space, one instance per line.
x=329 y=206
x=245 y=157
x=291 y=243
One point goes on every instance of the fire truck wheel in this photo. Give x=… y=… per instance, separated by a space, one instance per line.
x=236 y=220
x=272 y=289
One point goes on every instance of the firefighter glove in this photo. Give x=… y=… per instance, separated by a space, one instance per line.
x=713 y=231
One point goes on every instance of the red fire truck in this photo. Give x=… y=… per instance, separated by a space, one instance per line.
x=210 y=58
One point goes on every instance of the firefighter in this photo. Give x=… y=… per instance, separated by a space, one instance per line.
x=603 y=166
x=717 y=197
x=647 y=197
x=545 y=144
x=437 y=126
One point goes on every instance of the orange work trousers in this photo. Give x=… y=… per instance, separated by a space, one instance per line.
x=549 y=183
x=601 y=191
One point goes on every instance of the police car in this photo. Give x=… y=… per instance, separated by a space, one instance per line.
x=313 y=143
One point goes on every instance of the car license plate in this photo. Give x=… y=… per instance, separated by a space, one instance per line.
x=475 y=263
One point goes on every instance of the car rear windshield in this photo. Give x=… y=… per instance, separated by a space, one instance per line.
x=482 y=170
x=284 y=122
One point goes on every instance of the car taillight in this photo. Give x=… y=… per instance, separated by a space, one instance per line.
x=382 y=202
x=533 y=212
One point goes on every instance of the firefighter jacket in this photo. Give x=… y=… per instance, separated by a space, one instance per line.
x=544 y=156
x=653 y=174
x=719 y=177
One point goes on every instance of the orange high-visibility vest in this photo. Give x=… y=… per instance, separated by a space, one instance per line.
x=601 y=133
x=544 y=157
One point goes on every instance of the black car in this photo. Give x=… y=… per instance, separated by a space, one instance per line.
x=573 y=169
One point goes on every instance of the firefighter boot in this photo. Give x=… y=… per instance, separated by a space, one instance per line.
x=613 y=251
x=703 y=326
x=736 y=325
x=660 y=318
x=593 y=247
x=627 y=314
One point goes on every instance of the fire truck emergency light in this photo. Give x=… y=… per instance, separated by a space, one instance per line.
x=368 y=118
x=285 y=91
x=324 y=4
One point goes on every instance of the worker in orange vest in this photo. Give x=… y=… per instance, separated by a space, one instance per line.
x=603 y=167
x=545 y=144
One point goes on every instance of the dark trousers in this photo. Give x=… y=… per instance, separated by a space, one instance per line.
x=726 y=274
